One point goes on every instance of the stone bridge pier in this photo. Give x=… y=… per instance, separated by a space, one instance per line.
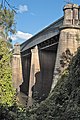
x=41 y=54
x=16 y=68
x=69 y=37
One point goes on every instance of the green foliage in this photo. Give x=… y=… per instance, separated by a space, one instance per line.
x=65 y=58
x=7 y=20
x=14 y=112
x=63 y=102
x=6 y=89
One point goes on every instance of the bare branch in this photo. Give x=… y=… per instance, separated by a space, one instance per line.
x=5 y=2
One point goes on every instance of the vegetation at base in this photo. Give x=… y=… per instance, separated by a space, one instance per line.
x=14 y=112
x=63 y=103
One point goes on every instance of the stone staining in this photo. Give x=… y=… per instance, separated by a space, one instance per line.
x=68 y=14
x=75 y=14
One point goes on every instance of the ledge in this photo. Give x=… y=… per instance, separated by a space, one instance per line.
x=70 y=26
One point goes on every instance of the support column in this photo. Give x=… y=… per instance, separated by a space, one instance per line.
x=35 y=68
x=69 y=40
x=16 y=68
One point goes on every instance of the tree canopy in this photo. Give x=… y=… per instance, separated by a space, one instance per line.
x=6 y=26
x=6 y=89
x=7 y=22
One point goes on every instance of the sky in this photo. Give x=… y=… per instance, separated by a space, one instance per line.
x=34 y=15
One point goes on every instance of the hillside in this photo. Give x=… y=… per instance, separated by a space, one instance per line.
x=64 y=101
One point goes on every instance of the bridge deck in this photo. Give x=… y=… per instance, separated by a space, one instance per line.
x=50 y=31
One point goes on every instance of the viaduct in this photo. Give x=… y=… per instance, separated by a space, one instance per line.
x=41 y=54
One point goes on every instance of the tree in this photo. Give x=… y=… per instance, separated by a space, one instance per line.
x=6 y=89
x=6 y=26
x=7 y=22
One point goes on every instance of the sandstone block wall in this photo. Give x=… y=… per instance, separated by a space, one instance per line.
x=16 y=68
